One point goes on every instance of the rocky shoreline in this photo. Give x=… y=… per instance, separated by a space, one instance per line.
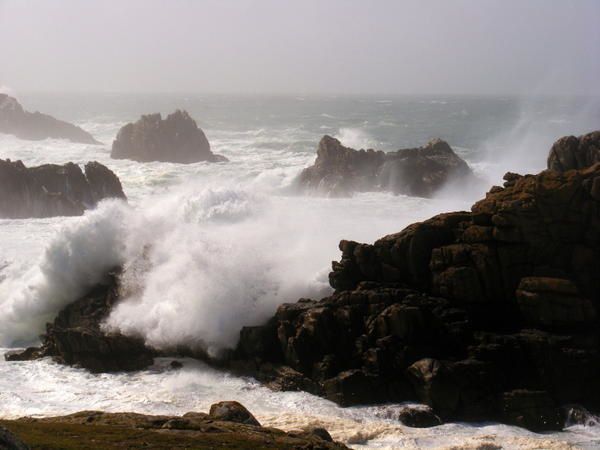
x=490 y=314
x=227 y=425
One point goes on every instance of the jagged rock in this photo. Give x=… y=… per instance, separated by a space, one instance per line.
x=472 y=313
x=570 y=152
x=53 y=190
x=36 y=126
x=340 y=170
x=76 y=337
x=232 y=412
x=176 y=139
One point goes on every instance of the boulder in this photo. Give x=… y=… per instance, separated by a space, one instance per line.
x=54 y=190
x=175 y=139
x=232 y=411
x=36 y=126
x=422 y=171
x=575 y=153
x=418 y=417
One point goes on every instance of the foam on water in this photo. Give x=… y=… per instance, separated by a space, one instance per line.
x=209 y=248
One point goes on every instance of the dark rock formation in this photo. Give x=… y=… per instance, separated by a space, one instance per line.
x=176 y=139
x=232 y=412
x=488 y=314
x=340 y=170
x=570 y=152
x=101 y=430
x=36 y=126
x=418 y=417
x=76 y=338
x=54 y=190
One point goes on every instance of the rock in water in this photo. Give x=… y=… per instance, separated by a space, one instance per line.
x=176 y=139
x=36 y=126
x=54 y=190
x=489 y=314
x=572 y=153
x=340 y=170
x=76 y=336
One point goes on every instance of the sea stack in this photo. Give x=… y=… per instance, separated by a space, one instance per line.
x=176 y=139
x=36 y=126
x=54 y=190
x=340 y=170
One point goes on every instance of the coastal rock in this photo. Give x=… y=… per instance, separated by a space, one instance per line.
x=575 y=153
x=36 y=126
x=340 y=170
x=490 y=314
x=232 y=412
x=54 y=190
x=176 y=139
x=418 y=417
x=76 y=336
x=103 y=430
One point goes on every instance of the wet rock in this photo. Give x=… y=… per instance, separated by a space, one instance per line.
x=36 y=126
x=76 y=337
x=340 y=170
x=575 y=153
x=232 y=411
x=54 y=190
x=534 y=410
x=176 y=139
x=418 y=417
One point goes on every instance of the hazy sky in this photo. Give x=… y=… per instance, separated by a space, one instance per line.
x=301 y=46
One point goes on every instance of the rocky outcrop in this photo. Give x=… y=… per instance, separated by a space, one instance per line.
x=488 y=314
x=232 y=412
x=176 y=139
x=102 y=430
x=36 y=126
x=54 y=190
x=76 y=336
x=340 y=170
x=575 y=153
x=9 y=441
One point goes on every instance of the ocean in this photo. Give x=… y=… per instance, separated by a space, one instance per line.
x=228 y=242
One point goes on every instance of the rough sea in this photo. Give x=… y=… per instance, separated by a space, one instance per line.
x=231 y=241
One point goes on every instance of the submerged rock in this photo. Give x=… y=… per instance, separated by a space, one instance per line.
x=176 y=139
x=54 y=190
x=340 y=170
x=36 y=126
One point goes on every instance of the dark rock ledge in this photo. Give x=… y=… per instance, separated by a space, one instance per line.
x=490 y=314
x=54 y=190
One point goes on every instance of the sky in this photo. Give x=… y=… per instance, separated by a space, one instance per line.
x=301 y=46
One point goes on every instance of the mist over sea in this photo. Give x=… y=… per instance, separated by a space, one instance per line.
x=224 y=244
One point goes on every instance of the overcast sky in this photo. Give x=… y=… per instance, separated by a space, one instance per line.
x=301 y=46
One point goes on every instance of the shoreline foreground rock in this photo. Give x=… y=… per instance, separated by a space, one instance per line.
x=491 y=314
x=37 y=126
x=176 y=139
x=54 y=190
x=102 y=430
x=422 y=171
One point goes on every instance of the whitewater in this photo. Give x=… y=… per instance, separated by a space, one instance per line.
x=210 y=248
